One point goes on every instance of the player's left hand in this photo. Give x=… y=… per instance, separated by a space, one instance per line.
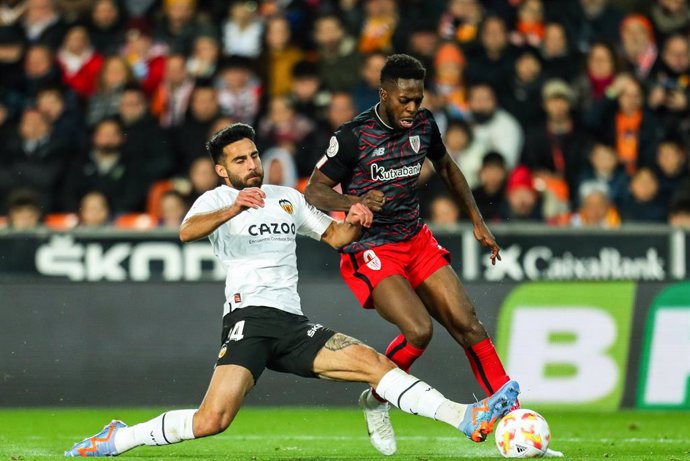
x=359 y=215
x=487 y=239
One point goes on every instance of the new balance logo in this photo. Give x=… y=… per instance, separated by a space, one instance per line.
x=379 y=152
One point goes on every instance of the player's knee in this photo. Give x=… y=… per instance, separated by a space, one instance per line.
x=211 y=423
x=419 y=334
x=377 y=365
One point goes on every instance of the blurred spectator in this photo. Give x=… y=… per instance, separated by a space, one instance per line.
x=449 y=80
x=278 y=57
x=308 y=96
x=73 y=11
x=340 y=110
x=203 y=61
x=599 y=21
x=521 y=94
x=23 y=210
x=670 y=85
x=12 y=49
x=105 y=170
x=114 y=77
x=33 y=158
x=421 y=43
x=66 y=121
x=600 y=71
x=79 y=62
x=42 y=23
x=378 y=27
x=494 y=57
x=638 y=44
x=460 y=22
x=558 y=60
x=492 y=127
x=491 y=189
x=604 y=168
x=146 y=145
x=202 y=178
x=94 y=210
x=239 y=90
x=457 y=139
x=523 y=203
x=444 y=211
x=179 y=25
x=338 y=60
x=622 y=120
x=596 y=209
x=558 y=146
x=279 y=165
x=189 y=139
x=39 y=71
x=173 y=209
x=529 y=29
x=282 y=126
x=138 y=10
x=170 y=100
x=679 y=213
x=669 y=17
x=366 y=92
x=145 y=58
x=671 y=168
x=242 y=30
x=643 y=202
x=106 y=27
x=11 y=11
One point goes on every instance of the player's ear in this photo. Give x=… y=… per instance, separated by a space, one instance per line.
x=220 y=171
x=383 y=94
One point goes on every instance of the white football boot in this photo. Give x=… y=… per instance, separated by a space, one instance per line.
x=379 y=424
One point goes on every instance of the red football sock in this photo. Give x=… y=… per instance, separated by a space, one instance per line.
x=402 y=354
x=486 y=366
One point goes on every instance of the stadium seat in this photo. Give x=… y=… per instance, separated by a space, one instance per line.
x=61 y=221
x=136 y=221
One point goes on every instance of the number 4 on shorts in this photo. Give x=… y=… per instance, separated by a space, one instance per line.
x=237 y=332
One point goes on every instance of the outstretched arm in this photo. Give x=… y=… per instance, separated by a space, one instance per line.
x=201 y=225
x=456 y=183
x=339 y=234
x=320 y=193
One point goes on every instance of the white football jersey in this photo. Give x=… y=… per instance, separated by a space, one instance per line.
x=257 y=247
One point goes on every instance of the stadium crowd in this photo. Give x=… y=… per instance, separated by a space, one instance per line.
x=565 y=112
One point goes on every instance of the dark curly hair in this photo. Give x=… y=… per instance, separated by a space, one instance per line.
x=402 y=66
x=228 y=135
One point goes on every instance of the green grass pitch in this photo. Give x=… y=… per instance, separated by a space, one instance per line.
x=339 y=434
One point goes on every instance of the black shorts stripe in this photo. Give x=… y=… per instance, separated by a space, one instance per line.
x=396 y=349
x=359 y=275
x=403 y=392
x=478 y=364
x=163 y=429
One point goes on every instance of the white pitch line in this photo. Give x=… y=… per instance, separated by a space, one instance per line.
x=446 y=439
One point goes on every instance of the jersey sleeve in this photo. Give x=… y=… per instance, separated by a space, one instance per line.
x=310 y=221
x=206 y=203
x=436 y=147
x=341 y=155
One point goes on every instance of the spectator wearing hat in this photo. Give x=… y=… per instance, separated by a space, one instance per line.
x=558 y=146
x=449 y=79
x=522 y=202
x=490 y=192
x=596 y=208
x=638 y=45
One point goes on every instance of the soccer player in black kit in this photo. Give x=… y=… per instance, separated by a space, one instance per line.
x=397 y=266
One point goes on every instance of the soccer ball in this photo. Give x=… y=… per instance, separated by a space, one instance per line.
x=522 y=434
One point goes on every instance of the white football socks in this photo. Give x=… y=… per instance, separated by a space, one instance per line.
x=166 y=429
x=412 y=395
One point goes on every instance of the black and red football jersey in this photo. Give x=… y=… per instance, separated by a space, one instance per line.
x=366 y=154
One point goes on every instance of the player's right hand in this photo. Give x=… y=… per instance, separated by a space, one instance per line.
x=249 y=197
x=374 y=200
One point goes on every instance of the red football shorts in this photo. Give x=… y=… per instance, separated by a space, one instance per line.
x=415 y=259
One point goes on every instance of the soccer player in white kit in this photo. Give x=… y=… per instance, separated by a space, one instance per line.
x=252 y=228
